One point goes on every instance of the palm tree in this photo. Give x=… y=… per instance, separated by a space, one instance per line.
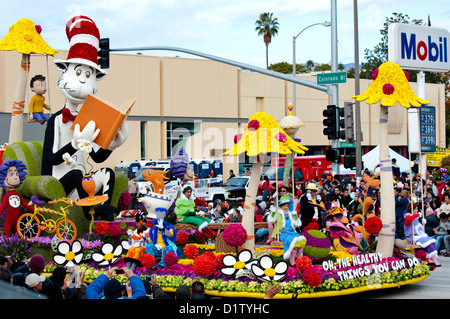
x=267 y=26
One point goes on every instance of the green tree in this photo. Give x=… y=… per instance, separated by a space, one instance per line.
x=286 y=68
x=379 y=54
x=322 y=67
x=309 y=65
x=267 y=26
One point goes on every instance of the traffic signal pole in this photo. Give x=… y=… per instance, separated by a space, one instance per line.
x=334 y=68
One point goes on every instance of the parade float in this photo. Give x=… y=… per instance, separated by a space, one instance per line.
x=352 y=256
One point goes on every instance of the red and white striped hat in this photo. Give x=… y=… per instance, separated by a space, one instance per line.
x=84 y=40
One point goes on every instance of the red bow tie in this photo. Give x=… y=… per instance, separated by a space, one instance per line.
x=67 y=115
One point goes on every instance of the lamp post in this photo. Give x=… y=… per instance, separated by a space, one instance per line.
x=294 y=97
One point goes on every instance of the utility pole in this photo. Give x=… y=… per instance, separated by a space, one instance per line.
x=358 y=133
x=334 y=68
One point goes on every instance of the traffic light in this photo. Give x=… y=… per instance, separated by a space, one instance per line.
x=331 y=155
x=341 y=133
x=103 y=53
x=348 y=122
x=329 y=122
x=349 y=161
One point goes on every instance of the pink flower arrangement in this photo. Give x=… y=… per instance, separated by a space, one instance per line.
x=292 y=272
x=170 y=259
x=406 y=74
x=281 y=137
x=234 y=235
x=374 y=74
x=115 y=230
x=311 y=277
x=237 y=138
x=388 y=89
x=253 y=125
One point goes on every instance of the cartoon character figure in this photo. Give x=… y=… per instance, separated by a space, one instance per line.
x=414 y=233
x=285 y=225
x=162 y=237
x=345 y=236
x=186 y=213
x=80 y=72
x=38 y=85
x=12 y=174
x=157 y=178
x=137 y=241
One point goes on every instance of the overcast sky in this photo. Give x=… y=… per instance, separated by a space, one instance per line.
x=225 y=28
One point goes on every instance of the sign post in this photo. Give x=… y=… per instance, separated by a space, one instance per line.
x=420 y=48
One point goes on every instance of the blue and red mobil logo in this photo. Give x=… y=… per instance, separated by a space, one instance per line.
x=412 y=48
x=419 y=47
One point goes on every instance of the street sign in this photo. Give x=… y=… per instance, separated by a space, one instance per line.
x=343 y=144
x=332 y=78
x=427 y=121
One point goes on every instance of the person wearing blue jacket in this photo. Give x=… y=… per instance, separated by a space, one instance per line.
x=107 y=287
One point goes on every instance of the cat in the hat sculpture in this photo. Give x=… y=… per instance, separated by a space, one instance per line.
x=80 y=73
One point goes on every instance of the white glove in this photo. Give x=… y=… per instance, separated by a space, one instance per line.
x=120 y=138
x=318 y=198
x=89 y=133
x=308 y=196
x=159 y=247
x=160 y=224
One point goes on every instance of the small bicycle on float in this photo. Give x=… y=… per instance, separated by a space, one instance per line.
x=31 y=225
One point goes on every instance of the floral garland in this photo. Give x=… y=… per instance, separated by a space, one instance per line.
x=309 y=280
x=390 y=86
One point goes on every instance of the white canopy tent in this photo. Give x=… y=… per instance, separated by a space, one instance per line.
x=372 y=158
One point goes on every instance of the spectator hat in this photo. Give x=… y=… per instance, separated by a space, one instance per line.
x=113 y=289
x=32 y=280
x=36 y=263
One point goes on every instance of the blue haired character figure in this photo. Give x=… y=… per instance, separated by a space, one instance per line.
x=12 y=174
x=162 y=237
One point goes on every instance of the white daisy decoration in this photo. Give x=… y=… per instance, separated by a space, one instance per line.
x=69 y=160
x=108 y=256
x=69 y=254
x=84 y=145
x=236 y=266
x=265 y=269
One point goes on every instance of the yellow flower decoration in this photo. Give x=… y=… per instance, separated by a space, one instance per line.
x=390 y=86
x=264 y=135
x=24 y=38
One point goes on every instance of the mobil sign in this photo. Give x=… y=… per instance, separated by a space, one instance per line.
x=419 y=47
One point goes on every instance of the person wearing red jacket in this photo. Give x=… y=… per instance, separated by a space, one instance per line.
x=12 y=174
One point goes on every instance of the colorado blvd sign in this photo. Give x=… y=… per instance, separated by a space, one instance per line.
x=419 y=47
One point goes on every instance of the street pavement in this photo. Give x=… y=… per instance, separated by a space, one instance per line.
x=436 y=286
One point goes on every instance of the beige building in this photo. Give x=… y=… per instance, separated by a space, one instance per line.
x=211 y=100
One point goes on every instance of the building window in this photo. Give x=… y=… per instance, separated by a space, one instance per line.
x=178 y=134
